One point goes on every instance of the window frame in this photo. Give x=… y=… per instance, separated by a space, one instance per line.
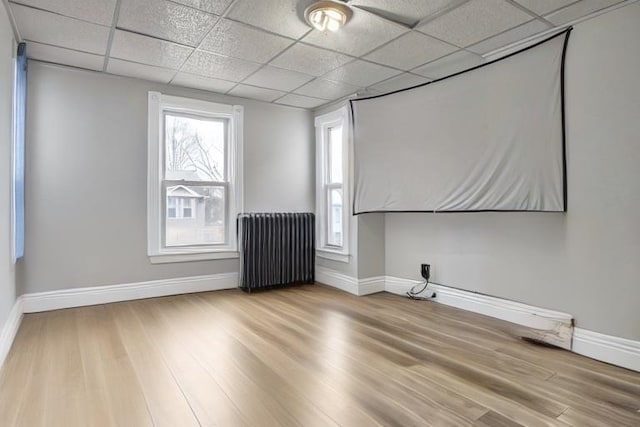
x=158 y=105
x=323 y=124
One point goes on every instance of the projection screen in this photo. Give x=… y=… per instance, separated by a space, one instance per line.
x=487 y=139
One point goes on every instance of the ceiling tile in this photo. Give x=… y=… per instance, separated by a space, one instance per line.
x=241 y=41
x=148 y=50
x=407 y=11
x=450 y=64
x=410 y=50
x=258 y=93
x=544 y=6
x=361 y=73
x=278 y=16
x=278 y=78
x=63 y=56
x=300 y=101
x=326 y=89
x=204 y=83
x=218 y=66
x=96 y=11
x=475 y=21
x=402 y=81
x=140 y=71
x=516 y=34
x=578 y=10
x=310 y=60
x=364 y=93
x=363 y=33
x=39 y=26
x=211 y=6
x=165 y=20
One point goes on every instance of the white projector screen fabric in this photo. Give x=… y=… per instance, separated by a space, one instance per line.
x=487 y=139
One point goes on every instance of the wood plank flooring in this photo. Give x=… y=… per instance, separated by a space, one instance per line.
x=304 y=356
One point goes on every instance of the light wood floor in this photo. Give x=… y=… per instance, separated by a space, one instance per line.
x=306 y=356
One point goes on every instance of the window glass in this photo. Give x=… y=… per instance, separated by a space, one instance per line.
x=334 y=215
x=196 y=220
x=335 y=154
x=187 y=210
x=194 y=148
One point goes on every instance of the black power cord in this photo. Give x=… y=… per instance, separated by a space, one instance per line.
x=413 y=294
x=425 y=270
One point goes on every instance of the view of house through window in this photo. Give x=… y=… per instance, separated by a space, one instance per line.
x=195 y=180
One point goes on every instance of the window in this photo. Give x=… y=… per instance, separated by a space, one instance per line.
x=182 y=207
x=332 y=185
x=195 y=178
x=17 y=152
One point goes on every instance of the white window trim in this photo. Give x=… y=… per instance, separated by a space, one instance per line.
x=235 y=113
x=322 y=124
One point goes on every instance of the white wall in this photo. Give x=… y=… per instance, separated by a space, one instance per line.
x=87 y=177
x=584 y=262
x=7 y=272
x=371 y=245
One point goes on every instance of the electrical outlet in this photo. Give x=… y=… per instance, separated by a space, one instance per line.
x=425 y=271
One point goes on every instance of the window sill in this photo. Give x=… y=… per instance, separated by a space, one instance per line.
x=187 y=257
x=333 y=255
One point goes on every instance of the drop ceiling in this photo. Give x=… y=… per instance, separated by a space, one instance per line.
x=263 y=49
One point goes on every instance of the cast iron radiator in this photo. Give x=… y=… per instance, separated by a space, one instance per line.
x=276 y=249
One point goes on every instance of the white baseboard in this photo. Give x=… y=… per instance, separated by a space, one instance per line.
x=545 y=325
x=337 y=280
x=361 y=287
x=606 y=348
x=371 y=285
x=79 y=297
x=10 y=329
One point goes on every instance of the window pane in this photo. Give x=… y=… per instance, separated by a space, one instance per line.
x=201 y=219
x=334 y=226
x=194 y=148
x=335 y=155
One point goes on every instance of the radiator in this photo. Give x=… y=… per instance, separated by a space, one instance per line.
x=276 y=249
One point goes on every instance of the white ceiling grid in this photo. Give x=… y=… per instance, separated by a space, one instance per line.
x=264 y=50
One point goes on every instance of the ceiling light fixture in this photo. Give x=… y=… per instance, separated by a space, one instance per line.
x=327 y=15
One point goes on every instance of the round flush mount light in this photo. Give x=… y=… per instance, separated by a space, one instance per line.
x=327 y=15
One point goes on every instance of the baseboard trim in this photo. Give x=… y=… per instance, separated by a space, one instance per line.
x=79 y=297
x=352 y=285
x=371 y=285
x=606 y=348
x=10 y=329
x=549 y=326
x=337 y=280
